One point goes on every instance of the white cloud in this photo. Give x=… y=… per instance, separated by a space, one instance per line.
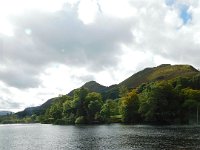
x=119 y=8
x=88 y=10
x=172 y=19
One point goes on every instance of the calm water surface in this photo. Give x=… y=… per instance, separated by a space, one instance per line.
x=98 y=137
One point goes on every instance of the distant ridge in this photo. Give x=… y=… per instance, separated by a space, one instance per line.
x=4 y=113
x=36 y=110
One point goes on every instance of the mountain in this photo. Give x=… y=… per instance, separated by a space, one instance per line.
x=92 y=86
x=106 y=91
x=4 y=113
x=162 y=72
x=36 y=110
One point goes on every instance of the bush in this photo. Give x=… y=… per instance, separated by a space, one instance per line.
x=7 y=122
x=116 y=119
x=48 y=121
x=80 y=120
x=60 y=122
x=70 y=119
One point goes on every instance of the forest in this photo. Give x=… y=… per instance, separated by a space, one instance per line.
x=164 y=102
x=170 y=101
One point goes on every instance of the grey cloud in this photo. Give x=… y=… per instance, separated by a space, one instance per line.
x=67 y=40
x=60 y=38
x=6 y=104
x=5 y=90
x=18 y=78
x=83 y=78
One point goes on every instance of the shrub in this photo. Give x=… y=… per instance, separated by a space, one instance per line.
x=80 y=120
x=60 y=122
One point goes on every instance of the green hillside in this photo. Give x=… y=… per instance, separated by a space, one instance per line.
x=162 y=72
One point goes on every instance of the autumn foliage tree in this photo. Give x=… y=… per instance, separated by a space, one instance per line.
x=129 y=106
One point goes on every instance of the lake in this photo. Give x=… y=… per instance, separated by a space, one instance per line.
x=98 y=137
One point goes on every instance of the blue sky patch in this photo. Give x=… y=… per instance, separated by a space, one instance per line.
x=183 y=8
x=184 y=14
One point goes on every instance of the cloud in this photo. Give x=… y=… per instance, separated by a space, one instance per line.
x=44 y=38
x=83 y=78
x=18 y=78
x=164 y=30
x=6 y=104
x=52 y=52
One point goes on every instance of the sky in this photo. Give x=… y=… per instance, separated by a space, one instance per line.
x=49 y=47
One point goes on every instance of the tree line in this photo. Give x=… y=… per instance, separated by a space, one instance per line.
x=173 y=101
x=163 y=102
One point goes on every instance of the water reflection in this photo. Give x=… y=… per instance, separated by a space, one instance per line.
x=102 y=137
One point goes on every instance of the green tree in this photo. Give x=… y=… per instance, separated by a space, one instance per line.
x=93 y=104
x=109 y=108
x=123 y=91
x=78 y=103
x=67 y=108
x=105 y=113
x=113 y=106
x=159 y=103
x=195 y=82
x=192 y=100
x=55 y=111
x=129 y=108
